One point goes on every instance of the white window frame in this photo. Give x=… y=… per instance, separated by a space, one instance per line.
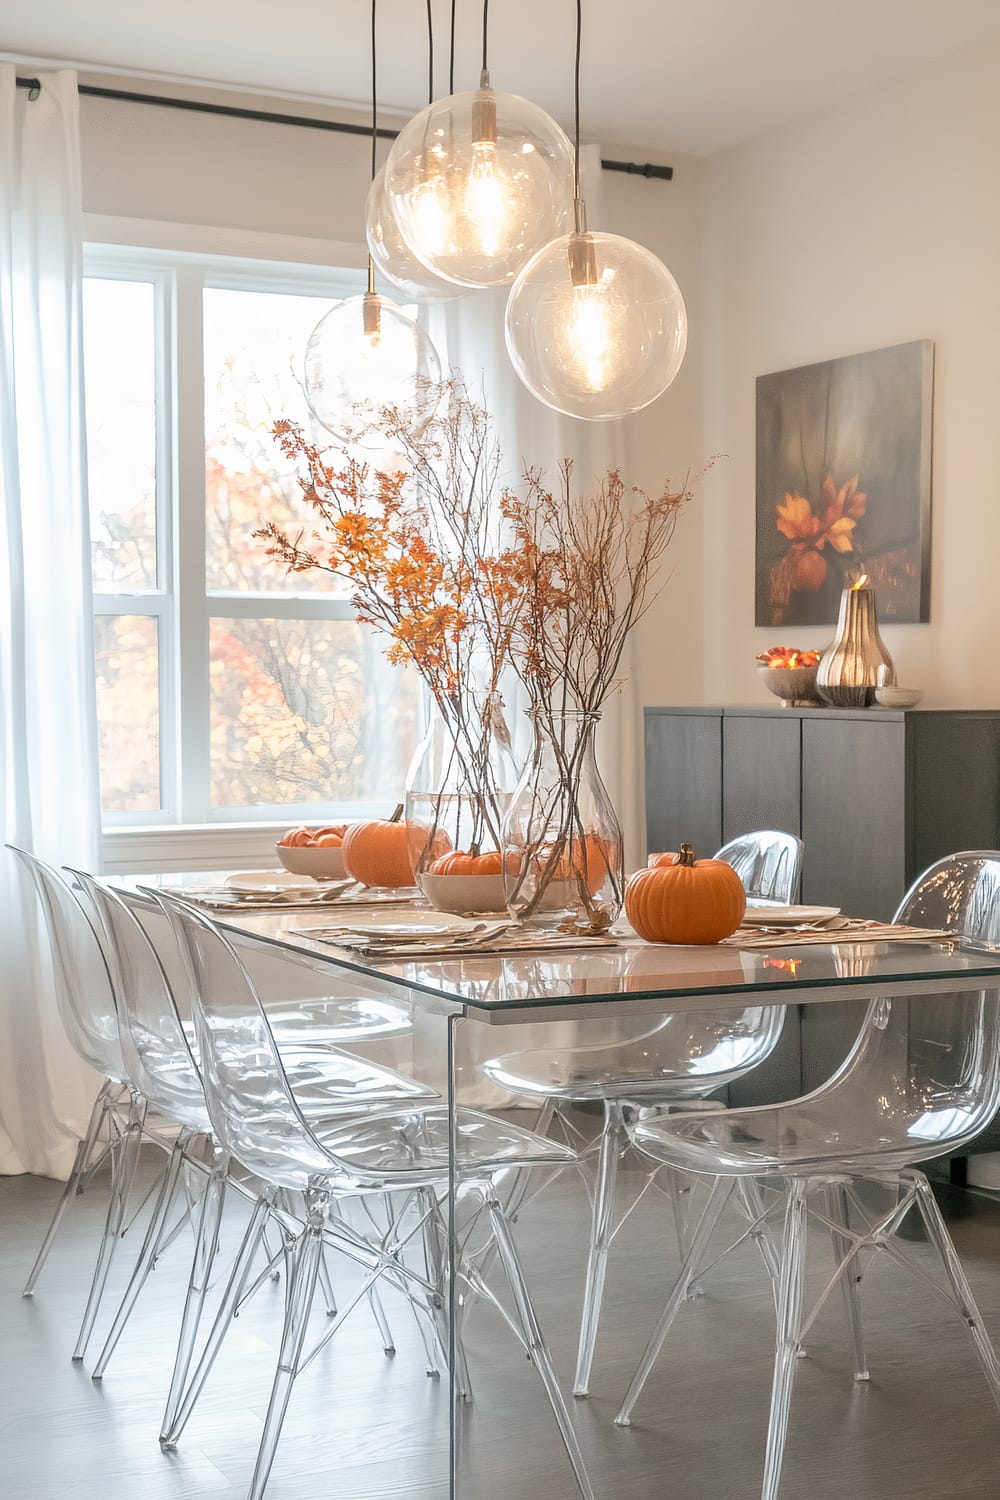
x=186 y=832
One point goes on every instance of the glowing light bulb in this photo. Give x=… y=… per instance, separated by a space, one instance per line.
x=431 y=216
x=596 y=326
x=589 y=336
x=486 y=198
x=477 y=183
x=363 y=355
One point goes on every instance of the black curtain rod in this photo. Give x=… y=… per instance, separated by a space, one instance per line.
x=308 y=122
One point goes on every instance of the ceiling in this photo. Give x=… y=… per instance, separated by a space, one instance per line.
x=688 y=78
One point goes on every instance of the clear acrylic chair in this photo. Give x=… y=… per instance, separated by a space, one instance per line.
x=86 y=1004
x=769 y=863
x=676 y=1062
x=922 y=1080
x=255 y=1111
x=159 y=1057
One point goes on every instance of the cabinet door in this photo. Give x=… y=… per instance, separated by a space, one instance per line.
x=760 y=774
x=853 y=814
x=684 y=781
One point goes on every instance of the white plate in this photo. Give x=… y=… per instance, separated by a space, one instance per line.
x=762 y=915
x=269 y=883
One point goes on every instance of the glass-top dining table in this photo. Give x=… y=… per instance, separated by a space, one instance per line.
x=465 y=1009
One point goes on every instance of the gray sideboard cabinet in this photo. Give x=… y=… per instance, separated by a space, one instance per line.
x=876 y=795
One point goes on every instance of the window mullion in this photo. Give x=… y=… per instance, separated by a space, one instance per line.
x=192 y=680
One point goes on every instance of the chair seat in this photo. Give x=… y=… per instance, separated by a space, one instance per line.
x=328 y=1083
x=687 y=1056
x=829 y=1133
x=328 y=1019
x=412 y=1145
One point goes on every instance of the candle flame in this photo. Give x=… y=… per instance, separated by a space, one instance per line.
x=860 y=583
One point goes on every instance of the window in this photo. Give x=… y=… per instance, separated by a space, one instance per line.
x=226 y=691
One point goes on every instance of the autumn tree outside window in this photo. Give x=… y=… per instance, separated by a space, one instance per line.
x=225 y=692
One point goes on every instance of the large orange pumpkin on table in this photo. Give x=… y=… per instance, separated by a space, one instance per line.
x=687 y=900
x=379 y=852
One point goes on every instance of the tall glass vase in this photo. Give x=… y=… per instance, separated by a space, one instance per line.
x=562 y=839
x=457 y=790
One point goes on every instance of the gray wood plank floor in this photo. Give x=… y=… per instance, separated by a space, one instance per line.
x=361 y=1427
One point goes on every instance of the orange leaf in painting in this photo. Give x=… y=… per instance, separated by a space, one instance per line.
x=796 y=519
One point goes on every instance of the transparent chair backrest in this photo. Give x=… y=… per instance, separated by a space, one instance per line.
x=718 y=1046
x=769 y=864
x=152 y=1037
x=84 y=994
x=252 y=1108
x=925 y=1071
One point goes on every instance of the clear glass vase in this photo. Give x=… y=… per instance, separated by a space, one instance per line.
x=562 y=839
x=459 y=784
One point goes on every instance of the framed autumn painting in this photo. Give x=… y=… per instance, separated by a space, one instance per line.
x=844 y=485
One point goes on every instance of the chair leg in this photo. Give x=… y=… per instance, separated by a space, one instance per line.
x=748 y=1192
x=537 y=1350
x=205 y=1250
x=435 y=1243
x=937 y=1232
x=614 y=1139
x=326 y=1284
x=238 y=1278
x=123 y=1167
x=148 y=1253
x=305 y=1270
x=838 y=1212
x=790 y=1288
x=717 y=1200
x=98 y=1115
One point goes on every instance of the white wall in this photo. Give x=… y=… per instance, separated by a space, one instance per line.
x=867 y=225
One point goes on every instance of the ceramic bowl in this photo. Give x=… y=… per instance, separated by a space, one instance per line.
x=795 y=686
x=897 y=697
x=321 y=864
x=461 y=894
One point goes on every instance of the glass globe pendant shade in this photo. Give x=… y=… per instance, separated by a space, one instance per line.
x=478 y=182
x=363 y=355
x=596 y=326
x=394 y=261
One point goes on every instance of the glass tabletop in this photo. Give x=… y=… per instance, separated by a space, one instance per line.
x=633 y=969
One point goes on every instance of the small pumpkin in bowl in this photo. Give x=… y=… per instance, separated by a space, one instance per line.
x=472 y=862
x=687 y=900
x=379 y=852
x=467 y=880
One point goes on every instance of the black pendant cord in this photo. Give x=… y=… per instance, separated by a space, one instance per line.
x=451 y=54
x=374 y=95
x=576 y=101
x=371 y=263
x=486 y=32
x=430 y=54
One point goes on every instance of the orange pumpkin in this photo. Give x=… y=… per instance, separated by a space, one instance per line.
x=460 y=862
x=380 y=852
x=590 y=856
x=685 y=901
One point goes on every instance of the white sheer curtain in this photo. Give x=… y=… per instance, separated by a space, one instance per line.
x=48 y=732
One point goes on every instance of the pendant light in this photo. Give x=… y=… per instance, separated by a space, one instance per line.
x=365 y=353
x=394 y=260
x=595 y=325
x=478 y=182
